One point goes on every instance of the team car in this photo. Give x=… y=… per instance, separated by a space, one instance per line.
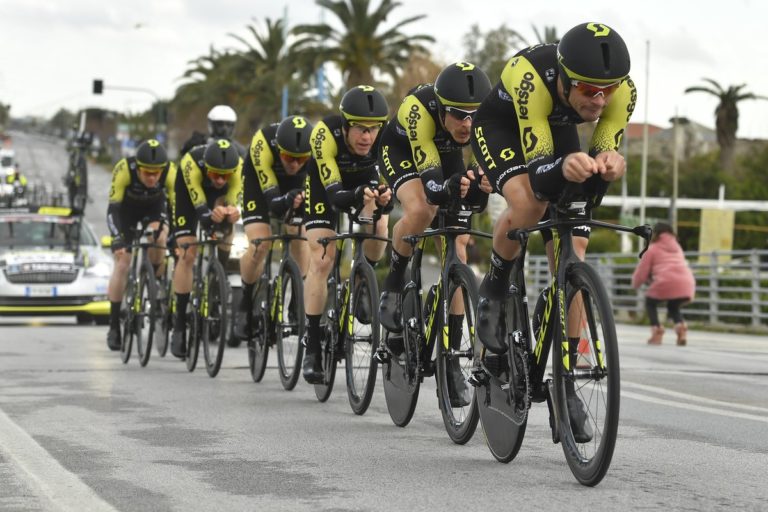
x=52 y=263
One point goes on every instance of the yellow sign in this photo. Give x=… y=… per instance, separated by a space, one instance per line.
x=716 y=234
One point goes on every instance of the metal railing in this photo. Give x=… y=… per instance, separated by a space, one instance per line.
x=731 y=287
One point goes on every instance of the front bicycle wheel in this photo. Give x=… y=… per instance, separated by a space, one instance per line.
x=216 y=328
x=128 y=320
x=455 y=356
x=193 y=326
x=586 y=380
x=503 y=399
x=329 y=345
x=362 y=339
x=400 y=371
x=144 y=321
x=258 y=331
x=167 y=309
x=289 y=324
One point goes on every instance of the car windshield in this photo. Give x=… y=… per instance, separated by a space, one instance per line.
x=41 y=233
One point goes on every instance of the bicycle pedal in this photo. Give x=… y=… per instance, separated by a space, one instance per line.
x=478 y=377
x=382 y=355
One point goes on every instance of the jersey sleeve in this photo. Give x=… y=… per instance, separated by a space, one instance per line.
x=235 y=187
x=420 y=126
x=193 y=179
x=533 y=104
x=262 y=160
x=324 y=151
x=170 y=184
x=610 y=128
x=121 y=179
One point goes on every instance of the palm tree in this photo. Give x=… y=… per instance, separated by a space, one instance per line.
x=726 y=115
x=363 y=45
x=270 y=65
x=547 y=35
x=491 y=50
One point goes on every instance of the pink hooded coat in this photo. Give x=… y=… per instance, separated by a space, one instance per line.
x=665 y=268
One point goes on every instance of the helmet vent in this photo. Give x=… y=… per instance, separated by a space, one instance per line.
x=605 y=48
x=471 y=85
x=370 y=102
x=298 y=139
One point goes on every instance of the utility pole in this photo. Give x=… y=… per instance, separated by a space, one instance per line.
x=644 y=170
x=98 y=88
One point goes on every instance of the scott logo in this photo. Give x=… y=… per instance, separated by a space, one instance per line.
x=387 y=163
x=599 y=29
x=487 y=158
x=524 y=90
x=529 y=139
x=299 y=122
x=223 y=143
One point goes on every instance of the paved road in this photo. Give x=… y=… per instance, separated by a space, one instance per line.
x=81 y=431
x=79 y=428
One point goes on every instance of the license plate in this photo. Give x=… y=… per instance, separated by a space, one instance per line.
x=40 y=291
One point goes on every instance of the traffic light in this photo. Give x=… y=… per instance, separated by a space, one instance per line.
x=98 y=86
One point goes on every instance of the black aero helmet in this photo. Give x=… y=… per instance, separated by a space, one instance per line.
x=293 y=136
x=221 y=157
x=462 y=85
x=151 y=153
x=592 y=52
x=364 y=103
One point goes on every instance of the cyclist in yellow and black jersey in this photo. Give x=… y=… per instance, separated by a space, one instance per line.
x=422 y=158
x=341 y=175
x=140 y=188
x=525 y=139
x=273 y=183
x=207 y=191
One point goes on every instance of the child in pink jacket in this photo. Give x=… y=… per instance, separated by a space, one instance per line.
x=670 y=280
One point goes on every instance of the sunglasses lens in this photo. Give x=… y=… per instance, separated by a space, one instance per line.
x=218 y=176
x=460 y=114
x=290 y=158
x=593 y=90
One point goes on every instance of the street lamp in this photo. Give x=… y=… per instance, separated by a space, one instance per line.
x=98 y=88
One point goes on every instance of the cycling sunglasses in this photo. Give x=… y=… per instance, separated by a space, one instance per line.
x=592 y=90
x=293 y=158
x=460 y=114
x=365 y=127
x=150 y=170
x=214 y=176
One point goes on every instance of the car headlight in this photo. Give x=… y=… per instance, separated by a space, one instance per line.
x=100 y=269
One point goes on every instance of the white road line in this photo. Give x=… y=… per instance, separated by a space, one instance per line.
x=692 y=398
x=63 y=489
x=692 y=407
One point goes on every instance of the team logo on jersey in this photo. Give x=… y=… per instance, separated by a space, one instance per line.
x=263 y=178
x=385 y=158
x=529 y=139
x=484 y=151
x=513 y=62
x=413 y=119
x=325 y=172
x=317 y=143
x=599 y=29
x=523 y=91
x=507 y=154
x=420 y=155
x=617 y=138
x=406 y=164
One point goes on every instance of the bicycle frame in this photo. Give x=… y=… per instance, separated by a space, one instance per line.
x=563 y=217
x=448 y=258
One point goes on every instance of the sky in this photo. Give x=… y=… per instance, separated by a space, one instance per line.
x=53 y=49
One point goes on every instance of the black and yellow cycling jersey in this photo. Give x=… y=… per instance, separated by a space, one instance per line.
x=265 y=181
x=334 y=172
x=130 y=200
x=415 y=143
x=196 y=195
x=523 y=126
x=14 y=178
